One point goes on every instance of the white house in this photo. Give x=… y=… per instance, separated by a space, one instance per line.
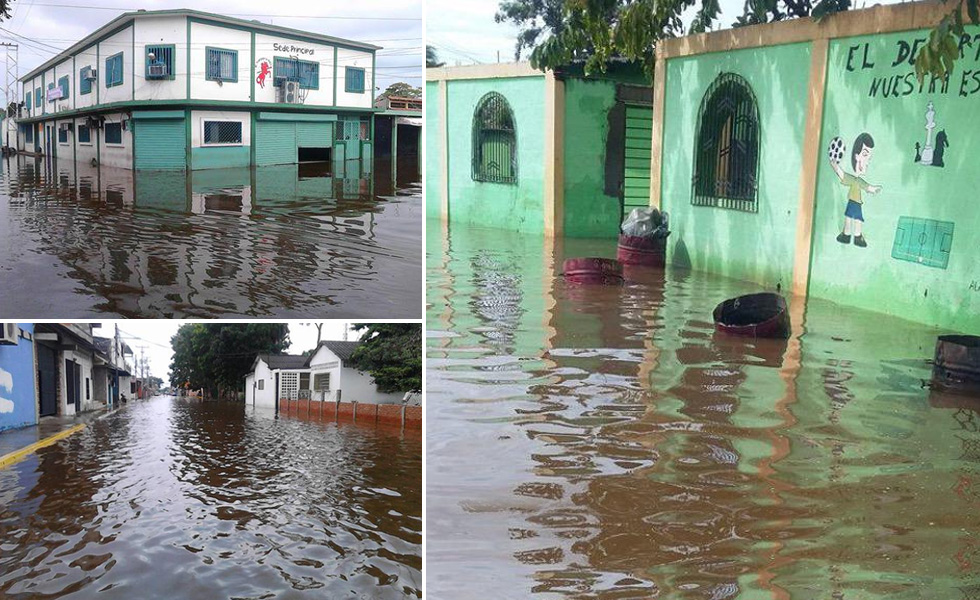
x=320 y=376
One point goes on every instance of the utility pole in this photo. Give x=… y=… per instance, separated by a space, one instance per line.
x=10 y=86
x=141 y=369
x=345 y=331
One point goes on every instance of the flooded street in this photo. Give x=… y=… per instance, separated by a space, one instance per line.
x=289 y=241
x=178 y=499
x=604 y=442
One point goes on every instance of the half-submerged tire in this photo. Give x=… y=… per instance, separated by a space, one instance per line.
x=763 y=315
x=593 y=270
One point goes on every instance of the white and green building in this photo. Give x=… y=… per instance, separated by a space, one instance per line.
x=184 y=89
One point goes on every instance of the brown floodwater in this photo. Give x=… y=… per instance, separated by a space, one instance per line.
x=604 y=442
x=180 y=499
x=311 y=240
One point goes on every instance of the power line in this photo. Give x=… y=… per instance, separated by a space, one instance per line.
x=267 y=16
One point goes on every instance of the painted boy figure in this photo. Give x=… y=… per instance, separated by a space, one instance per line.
x=855 y=184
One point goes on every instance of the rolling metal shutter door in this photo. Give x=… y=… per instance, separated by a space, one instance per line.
x=636 y=182
x=275 y=142
x=160 y=144
x=315 y=135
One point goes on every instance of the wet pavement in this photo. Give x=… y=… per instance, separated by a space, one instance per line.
x=174 y=498
x=604 y=442
x=286 y=241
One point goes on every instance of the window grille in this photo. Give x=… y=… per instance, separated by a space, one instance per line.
x=113 y=133
x=354 y=80
x=162 y=65
x=727 y=153
x=114 y=70
x=84 y=83
x=62 y=135
x=494 y=141
x=304 y=381
x=222 y=65
x=63 y=84
x=222 y=132
x=84 y=134
x=307 y=73
x=261 y=385
x=321 y=382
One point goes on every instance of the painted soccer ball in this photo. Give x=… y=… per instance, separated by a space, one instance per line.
x=836 y=150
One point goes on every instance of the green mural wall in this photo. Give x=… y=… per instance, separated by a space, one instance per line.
x=750 y=246
x=589 y=212
x=519 y=206
x=921 y=227
x=433 y=154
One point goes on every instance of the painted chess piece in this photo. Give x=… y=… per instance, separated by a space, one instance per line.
x=942 y=142
x=918 y=152
x=927 y=150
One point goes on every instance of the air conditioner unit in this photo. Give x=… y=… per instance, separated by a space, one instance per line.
x=10 y=334
x=156 y=70
x=92 y=75
x=290 y=92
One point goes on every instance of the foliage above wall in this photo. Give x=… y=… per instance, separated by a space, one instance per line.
x=392 y=354
x=560 y=31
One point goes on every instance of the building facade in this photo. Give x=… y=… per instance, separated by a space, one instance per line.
x=183 y=89
x=18 y=407
x=321 y=377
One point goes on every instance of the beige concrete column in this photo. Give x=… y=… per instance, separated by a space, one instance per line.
x=554 y=154
x=657 y=129
x=811 y=161
x=443 y=135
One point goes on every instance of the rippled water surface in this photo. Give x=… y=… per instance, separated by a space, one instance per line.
x=591 y=442
x=293 y=240
x=172 y=499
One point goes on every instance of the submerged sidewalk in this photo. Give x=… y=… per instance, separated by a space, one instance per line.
x=16 y=444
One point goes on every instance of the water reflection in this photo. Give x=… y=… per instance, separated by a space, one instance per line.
x=604 y=442
x=172 y=499
x=291 y=240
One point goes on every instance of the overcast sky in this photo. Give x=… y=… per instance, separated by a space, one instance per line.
x=47 y=26
x=152 y=336
x=464 y=32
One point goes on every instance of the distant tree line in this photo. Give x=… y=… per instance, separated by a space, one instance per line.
x=217 y=356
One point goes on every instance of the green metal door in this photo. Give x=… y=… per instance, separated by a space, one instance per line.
x=352 y=138
x=161 y=144
x=275 y=142
x=636 y=180
x=315 y=135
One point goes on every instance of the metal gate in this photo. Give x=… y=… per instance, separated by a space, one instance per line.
x=636 y=175
x=161 y=144
x=47 y=377
x=73 y=383
x=275 y=142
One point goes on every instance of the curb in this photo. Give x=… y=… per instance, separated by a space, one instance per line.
x=18 y=455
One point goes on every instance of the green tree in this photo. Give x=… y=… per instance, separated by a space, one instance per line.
x=432 y=58
x=597 y=31
x=392 y=354
x=401 y=89
x=217 y=356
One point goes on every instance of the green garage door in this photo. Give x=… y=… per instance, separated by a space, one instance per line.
x=636 y=183
x=161 y=143
x=315 y=135
x=275 y=142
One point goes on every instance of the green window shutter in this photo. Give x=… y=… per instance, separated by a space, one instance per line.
x=221 y=65
x=51 y=87
x=37 y=97
x=309 y=75
x=114 y=70
x=354 y=80
x=62 y=135
x=162 y=64
x=63 y=84
x=27 y=100
x=84 y=134
x=84 y=83
x=113 y=133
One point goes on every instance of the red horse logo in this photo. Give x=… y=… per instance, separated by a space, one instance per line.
x=264 y=71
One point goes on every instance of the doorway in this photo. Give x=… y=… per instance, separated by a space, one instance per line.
x=47 y=374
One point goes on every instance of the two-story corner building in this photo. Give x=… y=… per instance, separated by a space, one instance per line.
x=67 y=356
x=184 y=89
x=111 y=371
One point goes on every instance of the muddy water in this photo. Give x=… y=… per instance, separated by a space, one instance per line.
x=293 y=240
x=605 y=443
x=170 y=499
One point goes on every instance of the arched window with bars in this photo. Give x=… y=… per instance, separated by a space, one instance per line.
x=726 y=155
x=494 y=141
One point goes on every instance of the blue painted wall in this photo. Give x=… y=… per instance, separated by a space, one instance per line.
x=17 y=396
